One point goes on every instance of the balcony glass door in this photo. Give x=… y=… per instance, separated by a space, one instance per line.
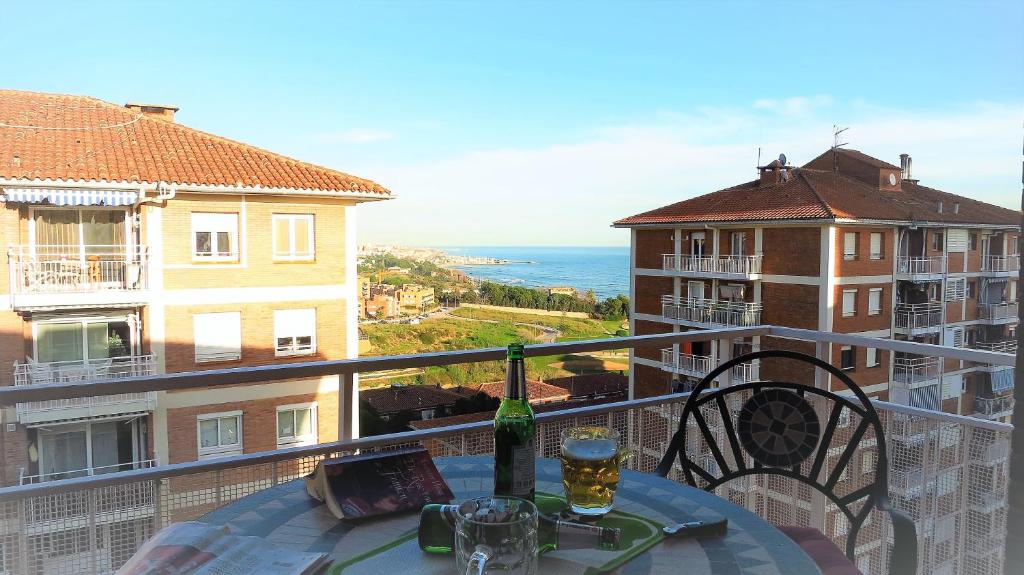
x=87 y=449
x=697 y=244
x=82 y=341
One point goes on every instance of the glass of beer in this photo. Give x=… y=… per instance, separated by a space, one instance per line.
x=590 y=468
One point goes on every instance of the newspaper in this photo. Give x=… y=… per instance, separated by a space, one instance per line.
x=202 y=549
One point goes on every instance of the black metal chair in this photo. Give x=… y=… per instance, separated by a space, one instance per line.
x=777 y=432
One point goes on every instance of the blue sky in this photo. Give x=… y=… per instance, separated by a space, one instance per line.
x=540 y=123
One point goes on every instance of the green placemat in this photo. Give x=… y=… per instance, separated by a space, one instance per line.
x=638 y=535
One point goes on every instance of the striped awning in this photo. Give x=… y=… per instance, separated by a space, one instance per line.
x=69 y=197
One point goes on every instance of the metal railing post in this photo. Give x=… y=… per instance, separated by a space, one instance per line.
x=348 y=406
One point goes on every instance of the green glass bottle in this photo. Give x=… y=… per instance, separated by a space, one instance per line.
x=437 y=532
x=514 y=433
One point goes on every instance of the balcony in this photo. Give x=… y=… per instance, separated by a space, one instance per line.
x=914 y=372
x=998 y=313
x=132 y=505
x=920 y=268
x=700 y=365
x=1000 y=266
x=918 y=318
x=76 y=276
x=725 y=267
x=32 y=373
x=1006 y=346
x=710 y=313
x=88 y=472
x=993 y=407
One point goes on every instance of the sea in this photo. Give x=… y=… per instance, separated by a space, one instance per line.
x=602 y=269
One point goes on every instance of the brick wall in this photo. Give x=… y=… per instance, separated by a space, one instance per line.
x=648 y=328
x=861 y=320
x=259 y=423
x=257 y=321
x=651 y=245
x=650 y=381
x=256 y=266
x=861 y=374
x=779 y=369
x=862 y=264
x=791 y=251
x=648 y=292
x=790 y=305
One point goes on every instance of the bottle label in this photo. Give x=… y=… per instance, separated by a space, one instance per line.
x=523 y=470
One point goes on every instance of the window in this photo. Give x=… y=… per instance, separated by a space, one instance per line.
x=294 y=331
x=293 y=236
x=971 y=290
x=695 y=290
x=840 y=524
x=850 y=245
x=867 y=462
x=214 y=236
x=844 y=417
x=874 y=301
x=220 y=434
x=957 y=241
x=956 y=289
x=849 y=302
x=937 y=243
x=973 y=238
x=847 y=358
x=876 y=245
x=739 y=241
x=954 y=337
x=871 y=357
x=296 y=425
x=217 y=336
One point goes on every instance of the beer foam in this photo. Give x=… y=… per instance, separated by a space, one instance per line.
x=589 y=449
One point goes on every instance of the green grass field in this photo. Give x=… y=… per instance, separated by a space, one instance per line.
x=450 y=334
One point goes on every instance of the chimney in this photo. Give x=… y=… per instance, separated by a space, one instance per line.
x=906 y=163
x=156 y=111
x=773 y=173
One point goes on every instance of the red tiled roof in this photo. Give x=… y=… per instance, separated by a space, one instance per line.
x=536 y=391
x=488 y=415
x=856 y=155
x=592 y=384
x=57 y=137
x=811 y=194
x=396 y=398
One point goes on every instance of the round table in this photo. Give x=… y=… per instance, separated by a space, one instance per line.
x=287 y=516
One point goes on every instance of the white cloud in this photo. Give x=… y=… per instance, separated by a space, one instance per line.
x=357 y=136
x=569 y=193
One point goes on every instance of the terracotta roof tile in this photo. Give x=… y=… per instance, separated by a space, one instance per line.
x=818 y=194
x=79 y=138
x=537 y=391
x=396 y=398
x=592 y=384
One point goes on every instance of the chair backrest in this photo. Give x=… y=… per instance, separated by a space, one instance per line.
x=778 y=431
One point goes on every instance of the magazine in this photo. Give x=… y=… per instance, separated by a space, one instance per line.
x=372 y=484
x=201 y=549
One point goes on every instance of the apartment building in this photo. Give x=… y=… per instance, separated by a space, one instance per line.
x=414 y=298
x=138 y=246
x=847 y=243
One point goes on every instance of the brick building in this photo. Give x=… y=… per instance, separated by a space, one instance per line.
x=138 y=246
x=847 y=244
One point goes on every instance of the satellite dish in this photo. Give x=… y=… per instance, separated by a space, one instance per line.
x=782 y=159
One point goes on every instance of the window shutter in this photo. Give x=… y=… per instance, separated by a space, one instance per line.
x=850 y=243
x=954 y=337
x=849 y=302
x=957 y=241
x=217 y=336
x=875 y=300
x=876 y=245
x=956 y=289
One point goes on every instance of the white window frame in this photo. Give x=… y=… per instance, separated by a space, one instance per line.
x=852 y=294
x=310 y=236
x=213 y=223
x=876 y=255
x=853 y=352
x=281 y=332
x=232 y=350
x=874 y=301
x=871 y=359
x=297 y=440
x=219 y=450
x=849 y=251
x=689 y=290
x=738 y=242
x=955 y=336
x=957 y=240
x=956 y=289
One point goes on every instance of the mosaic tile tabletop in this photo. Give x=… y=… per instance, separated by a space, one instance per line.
x=285 y=515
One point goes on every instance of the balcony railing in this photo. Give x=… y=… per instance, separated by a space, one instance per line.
x=993 y=407
x=916 y=371
x=1001 y=264
x=998 y=312
x=709 y=313
x=47 y=275
x=707 y=266
x=920 y=267
x=701 y=365
x=31 y=373
x=1007 y=346
x=131 y=505
x=89 y=471
x=913 y=319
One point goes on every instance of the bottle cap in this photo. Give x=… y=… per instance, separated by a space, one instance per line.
x=516 y=351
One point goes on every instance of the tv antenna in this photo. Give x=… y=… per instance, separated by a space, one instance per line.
x=836 y=130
